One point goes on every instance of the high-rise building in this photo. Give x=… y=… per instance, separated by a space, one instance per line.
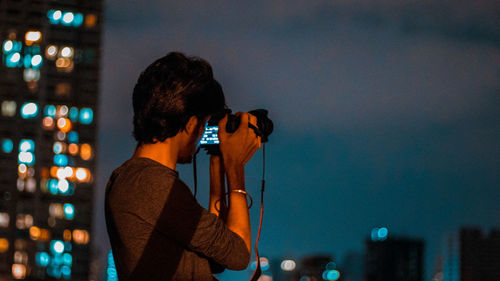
x=393 y=259
x=49 y=77
x=353 y=266
x=479 y=255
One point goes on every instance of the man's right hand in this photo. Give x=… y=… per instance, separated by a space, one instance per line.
x=238 y=147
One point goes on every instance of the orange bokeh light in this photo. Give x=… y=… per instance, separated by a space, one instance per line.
x=64 y=125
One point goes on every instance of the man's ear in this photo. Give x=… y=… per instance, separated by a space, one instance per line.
x=192 y=124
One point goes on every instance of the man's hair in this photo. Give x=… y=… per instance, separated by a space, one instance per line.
x=169 y=92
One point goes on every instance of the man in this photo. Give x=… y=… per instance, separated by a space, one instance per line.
x=157 y=229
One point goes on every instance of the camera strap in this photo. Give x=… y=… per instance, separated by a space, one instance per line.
x=258 y=270
x=195 y=177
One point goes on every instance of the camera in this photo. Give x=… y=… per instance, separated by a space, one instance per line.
x=210 y=140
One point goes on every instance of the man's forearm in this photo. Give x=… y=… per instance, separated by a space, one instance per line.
x=238 y=218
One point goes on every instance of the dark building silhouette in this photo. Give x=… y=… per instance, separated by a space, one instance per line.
x=353 y=264
x=49 y=77
x=394 y=259
x=479 y=255
x=317 y=267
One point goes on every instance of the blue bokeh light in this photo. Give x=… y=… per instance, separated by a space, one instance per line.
x=86 y=115
x=29 y=110
x=50 y=110
x=73 y=137
x=57 y=246
x=26 y=145
x=42 y=259
x=60 y=160
x=7 y=145
x=69 y=211
x=73 y=114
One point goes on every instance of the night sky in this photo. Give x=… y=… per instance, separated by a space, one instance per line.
x=386 y=114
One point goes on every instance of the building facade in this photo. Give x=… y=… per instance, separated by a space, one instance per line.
x=479 y=255
x=49 y=84
x=394 y=259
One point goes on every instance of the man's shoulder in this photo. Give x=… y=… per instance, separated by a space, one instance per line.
x=141 y=175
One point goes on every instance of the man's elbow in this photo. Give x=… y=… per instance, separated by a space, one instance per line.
x=241 y=260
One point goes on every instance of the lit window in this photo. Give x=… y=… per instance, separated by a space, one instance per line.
x=66 y=271
x=57 y=246
x=86 y=115
x=90 y=20
x=42 y=259
x=60 y=160
x=36 y=61
x=7 y=145
x=50 y=111
x=13 y=60
x=8 y=46
x=31 y=75
x=82 y=174
x=68 y=18
x=30 y=185
x=80 y=236
x=52 y=186
x=73 y=114
x=27 y=158
x=61 y=136
x=29 y=110
x=20 y=184
x=86 y=151
x=22 y=169
x=73 y=137
x=26 y=145
x=56 y=210
x=4 y=219
x=48 y=123
x=63 y=89
x=24 y=221
x=59 y=147
x=33 y=37
x=54 y=16
x=64 y=64
x=67 y=235
x=64 y=124
x=73 y=149
x=67 y=259
x=4 y=245
x=51 y=52
x=67 y=52
x=8 y=108
x=18 y=271
x=68 y=172
x=35 y=232
x=63 y=186
x=62 y=111
x=69 y=211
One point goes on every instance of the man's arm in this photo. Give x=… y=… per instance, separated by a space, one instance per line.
x=237 y=148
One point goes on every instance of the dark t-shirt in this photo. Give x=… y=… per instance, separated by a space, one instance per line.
x=158 y=231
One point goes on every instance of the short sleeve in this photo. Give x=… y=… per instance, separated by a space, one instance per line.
x=181 y=218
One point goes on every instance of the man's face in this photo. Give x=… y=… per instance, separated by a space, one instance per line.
x=186 y=154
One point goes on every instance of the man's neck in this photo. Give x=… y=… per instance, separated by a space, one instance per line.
x=165 y=153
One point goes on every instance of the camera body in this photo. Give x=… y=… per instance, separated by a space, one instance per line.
x=210 y=140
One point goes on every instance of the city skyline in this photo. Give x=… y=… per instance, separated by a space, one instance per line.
x=49 y=79
x=386 y=113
